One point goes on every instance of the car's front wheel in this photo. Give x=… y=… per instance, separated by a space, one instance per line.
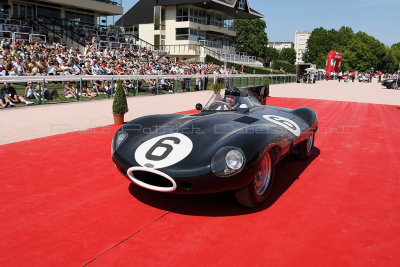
x=395 y=85
x=306 y=146
x=258 y=190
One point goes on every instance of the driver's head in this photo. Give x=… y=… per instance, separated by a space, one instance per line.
x=231 y=96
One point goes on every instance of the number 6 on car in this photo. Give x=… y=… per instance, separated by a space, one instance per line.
x=163 y=151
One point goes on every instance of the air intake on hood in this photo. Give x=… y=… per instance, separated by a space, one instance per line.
x=246 y=119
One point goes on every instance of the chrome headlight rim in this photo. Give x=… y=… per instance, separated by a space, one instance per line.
x=234 y=159
x=219 y=165
x=117 y=140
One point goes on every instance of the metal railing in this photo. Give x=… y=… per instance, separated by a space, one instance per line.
x=22 y=36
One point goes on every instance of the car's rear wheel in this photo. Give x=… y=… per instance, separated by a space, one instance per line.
x=306 y=147
x=395 y=85
x=258 y=190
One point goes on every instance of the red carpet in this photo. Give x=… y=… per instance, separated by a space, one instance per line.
x=64 y=204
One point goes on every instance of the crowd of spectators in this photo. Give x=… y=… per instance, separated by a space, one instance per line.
x=40 y=59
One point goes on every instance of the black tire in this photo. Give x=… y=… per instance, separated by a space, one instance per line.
x=258 y=190
x=305 y=148
x=395 y=85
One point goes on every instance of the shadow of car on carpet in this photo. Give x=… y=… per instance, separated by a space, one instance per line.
x=224 y=203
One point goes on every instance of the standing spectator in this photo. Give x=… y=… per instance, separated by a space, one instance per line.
x=340 y=75
x=380 y=76
x=353 y=76
x=370 y=76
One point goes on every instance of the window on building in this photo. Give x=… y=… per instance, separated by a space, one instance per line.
x=49 y=12
x=219 y=21
x=79 y=17
x=182 y=34
x=4 y=7
x=190 y=34
x=192 y=14
x=182 y=13
x=242 y=4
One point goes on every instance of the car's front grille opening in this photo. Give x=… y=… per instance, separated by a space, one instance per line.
x=152 y=179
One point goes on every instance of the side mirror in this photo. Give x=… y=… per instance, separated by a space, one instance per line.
x=199 y=106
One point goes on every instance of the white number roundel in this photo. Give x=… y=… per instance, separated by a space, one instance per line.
x=163 y=151
x=285 y=123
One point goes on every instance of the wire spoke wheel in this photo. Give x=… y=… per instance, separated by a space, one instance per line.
x=257 y=191
x=305 y=147
x=263 y=176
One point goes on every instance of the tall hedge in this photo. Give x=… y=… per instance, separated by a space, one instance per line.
x=246 y=69
x=289 y=68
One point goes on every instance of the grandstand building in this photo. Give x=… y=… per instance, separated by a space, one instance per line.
x=86 y=11
x=188 y=29
x=71 y=22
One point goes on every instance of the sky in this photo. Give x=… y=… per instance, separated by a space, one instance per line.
x=378 y=18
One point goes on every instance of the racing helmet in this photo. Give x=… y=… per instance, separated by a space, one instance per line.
x=234 y=91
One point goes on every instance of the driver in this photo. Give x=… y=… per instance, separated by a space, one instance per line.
x=230 y=101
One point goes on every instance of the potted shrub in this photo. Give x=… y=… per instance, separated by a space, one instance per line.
x=120 y=106
x=266 y=85
x=217 y=87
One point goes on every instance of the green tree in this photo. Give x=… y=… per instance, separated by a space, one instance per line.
x=319 y=44
x=389 y=63
x=357 y=56
x=271 y=54
x=395 y=50
x=251 y=36
x=360 y=51
x=288 y=54
x=341 y=38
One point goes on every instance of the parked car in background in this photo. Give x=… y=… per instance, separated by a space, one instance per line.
x=391 y=83
x=363 y=79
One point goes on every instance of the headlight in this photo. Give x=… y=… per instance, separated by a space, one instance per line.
x=228 y=161
x=234 y=160
x=118 y=139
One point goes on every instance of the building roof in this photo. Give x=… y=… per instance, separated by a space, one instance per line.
x=143 y=11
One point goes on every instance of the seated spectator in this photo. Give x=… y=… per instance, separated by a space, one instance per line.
x=30 y=92
x=99 y=87
x=8 y=92
x=86 y=91
x=53 y=95
x=166 y=85
x=69 y=90
x=4 y=103
x=109 y=88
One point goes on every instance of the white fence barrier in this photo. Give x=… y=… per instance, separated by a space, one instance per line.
x=51 y=78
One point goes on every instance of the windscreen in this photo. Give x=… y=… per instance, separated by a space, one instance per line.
x=227 y=103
